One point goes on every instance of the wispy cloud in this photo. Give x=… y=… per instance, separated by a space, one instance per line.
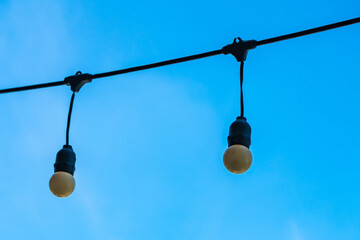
x=295 y=232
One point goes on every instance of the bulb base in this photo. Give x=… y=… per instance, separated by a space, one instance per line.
x=65 y=160
x=240 y=133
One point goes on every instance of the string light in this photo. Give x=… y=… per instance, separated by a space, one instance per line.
x=237 y=158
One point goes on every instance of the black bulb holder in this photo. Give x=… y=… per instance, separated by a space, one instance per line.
x=65 y=160
x=240 y=132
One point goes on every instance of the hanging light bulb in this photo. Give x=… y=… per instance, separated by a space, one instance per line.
x=62 y=183
x=237 y=158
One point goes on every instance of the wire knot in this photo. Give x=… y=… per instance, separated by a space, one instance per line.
x=239 y=48
x=78 y=80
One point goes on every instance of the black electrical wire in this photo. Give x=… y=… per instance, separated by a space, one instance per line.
x=69 y=118
x=241 y=89
x=43 y=85
x=191 y=57
x=309 y=31
x=158 y=64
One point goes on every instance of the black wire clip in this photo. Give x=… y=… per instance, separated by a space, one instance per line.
x=239 y=48
x=78 y=80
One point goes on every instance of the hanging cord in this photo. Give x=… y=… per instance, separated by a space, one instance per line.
x=241 y=89
x=69 y=117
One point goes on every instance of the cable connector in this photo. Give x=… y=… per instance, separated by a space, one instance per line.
x=239 y=48
x=78 y=80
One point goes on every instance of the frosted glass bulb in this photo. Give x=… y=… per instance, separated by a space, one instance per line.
x=62 y=184
x=237 y=159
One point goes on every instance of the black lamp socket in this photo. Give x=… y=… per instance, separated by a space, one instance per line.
x=240 y=133
x=65 y=160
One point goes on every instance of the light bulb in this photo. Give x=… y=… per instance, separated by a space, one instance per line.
x=62 y=184
x=237 y=158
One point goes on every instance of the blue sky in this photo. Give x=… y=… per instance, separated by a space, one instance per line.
x=149 y=145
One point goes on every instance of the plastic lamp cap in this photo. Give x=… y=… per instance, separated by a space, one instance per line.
x=65 y=160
